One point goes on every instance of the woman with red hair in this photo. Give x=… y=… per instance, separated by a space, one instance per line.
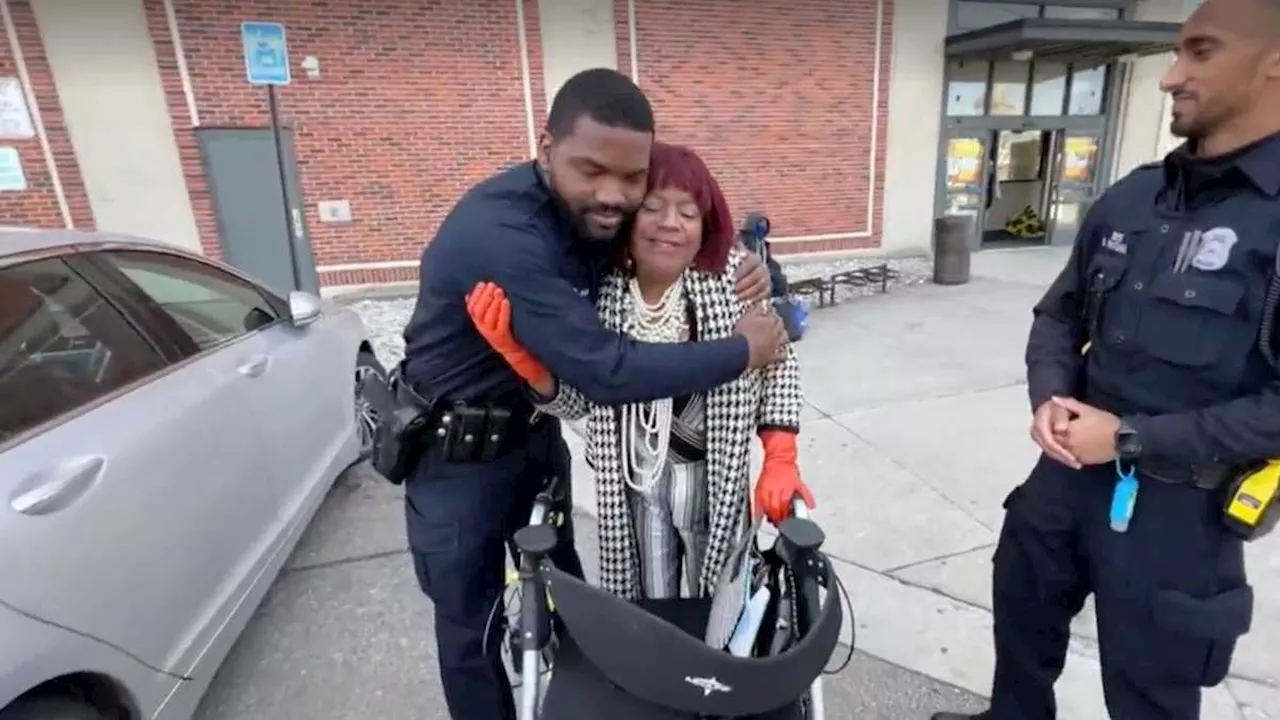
x=672 y=476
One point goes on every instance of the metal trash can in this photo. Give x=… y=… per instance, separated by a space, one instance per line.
x=951 y=250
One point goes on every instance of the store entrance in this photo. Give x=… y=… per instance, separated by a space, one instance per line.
x=1022 y=187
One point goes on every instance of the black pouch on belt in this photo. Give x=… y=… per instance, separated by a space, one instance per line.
x=475 y=433
x=399 y=437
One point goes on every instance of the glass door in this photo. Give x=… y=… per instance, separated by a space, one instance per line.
x=966 y=176
x=1074 y=172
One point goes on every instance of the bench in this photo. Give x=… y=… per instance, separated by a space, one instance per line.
x=825 y=287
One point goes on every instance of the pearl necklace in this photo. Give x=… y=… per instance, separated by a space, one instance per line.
x=646 y=426
x=663 y=321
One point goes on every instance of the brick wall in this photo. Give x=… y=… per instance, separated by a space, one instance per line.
x=419 y=99
x=38 y=205
x=776 y=95
x=416 y=101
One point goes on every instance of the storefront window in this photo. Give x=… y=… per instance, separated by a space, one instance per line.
x=1067 y=12
x=1087 y=85
x=1048 y=88
x=977 y=15
x=1009 y=88
x=966 y=89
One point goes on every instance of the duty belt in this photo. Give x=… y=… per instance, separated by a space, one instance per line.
x=477 y=432
x=1207 y=477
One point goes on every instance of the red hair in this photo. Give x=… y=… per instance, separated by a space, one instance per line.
x=673 y=166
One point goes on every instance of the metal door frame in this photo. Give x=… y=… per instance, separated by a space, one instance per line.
x=1056 y=160
x=940 y=195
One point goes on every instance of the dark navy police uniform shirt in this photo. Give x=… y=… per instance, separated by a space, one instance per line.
x=508 y=229
x=1184 y=251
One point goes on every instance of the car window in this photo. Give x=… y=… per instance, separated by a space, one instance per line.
x=212 y=306
x=62 y=345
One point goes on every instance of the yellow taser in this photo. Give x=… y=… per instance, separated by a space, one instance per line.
x=1252 y=505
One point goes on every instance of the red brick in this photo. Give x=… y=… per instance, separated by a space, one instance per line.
x=416 y=101
x=38 y=205
x=419 y=99
x=777 y=96
x=377 y=276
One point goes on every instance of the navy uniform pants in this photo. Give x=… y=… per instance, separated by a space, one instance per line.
x=459 y=518
x=1170 y=594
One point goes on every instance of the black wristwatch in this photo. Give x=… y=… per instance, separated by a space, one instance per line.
x=1128 y=444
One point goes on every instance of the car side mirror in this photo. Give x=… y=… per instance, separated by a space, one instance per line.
x=304 y=308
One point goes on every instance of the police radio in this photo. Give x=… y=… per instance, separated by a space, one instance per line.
x=1266 y=331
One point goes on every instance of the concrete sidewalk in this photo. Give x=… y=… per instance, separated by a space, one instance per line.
x=916 y=430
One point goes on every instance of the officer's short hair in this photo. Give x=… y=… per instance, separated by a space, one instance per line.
x=604 y=95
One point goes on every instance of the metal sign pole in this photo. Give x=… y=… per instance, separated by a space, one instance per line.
x=266 y=62
x=290 y=236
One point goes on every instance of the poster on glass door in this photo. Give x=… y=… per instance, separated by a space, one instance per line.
x=1078 y=158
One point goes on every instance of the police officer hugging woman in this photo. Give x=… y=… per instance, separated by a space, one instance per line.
x=586 y=282
x=671 y=475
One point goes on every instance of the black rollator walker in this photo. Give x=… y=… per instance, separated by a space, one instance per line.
x=615 y=659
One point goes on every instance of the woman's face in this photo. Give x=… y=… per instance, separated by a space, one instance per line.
x=668 y=233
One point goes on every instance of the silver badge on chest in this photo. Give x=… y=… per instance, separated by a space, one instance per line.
x=1214 y=249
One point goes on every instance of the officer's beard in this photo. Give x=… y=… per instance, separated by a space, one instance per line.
x=1188 y=129
x=577 y=217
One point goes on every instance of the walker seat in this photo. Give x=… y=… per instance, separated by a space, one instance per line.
x=626 y=661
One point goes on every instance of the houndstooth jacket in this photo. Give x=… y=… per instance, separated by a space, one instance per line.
x=767 y=398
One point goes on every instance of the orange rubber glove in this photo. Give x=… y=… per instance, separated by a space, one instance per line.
x=779 y=479
x=491 y=312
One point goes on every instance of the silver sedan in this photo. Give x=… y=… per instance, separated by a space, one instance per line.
x=168 y=427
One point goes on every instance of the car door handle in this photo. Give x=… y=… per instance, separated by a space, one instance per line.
x=255 y=367
x=58 y=487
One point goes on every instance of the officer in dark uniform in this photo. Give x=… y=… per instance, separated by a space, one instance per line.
x=544 y=232
x=1145 y=355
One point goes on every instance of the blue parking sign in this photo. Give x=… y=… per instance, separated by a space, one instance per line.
x=266 y=54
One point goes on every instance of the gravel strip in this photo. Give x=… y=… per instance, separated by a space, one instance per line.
x=384 y=319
